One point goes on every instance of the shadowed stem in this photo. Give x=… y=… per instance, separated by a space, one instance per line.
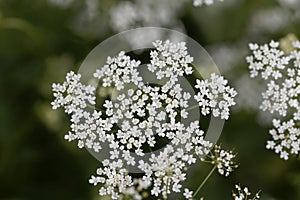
x=167 y=187
x=204 y=181
x=193 y=107
x=96 y=108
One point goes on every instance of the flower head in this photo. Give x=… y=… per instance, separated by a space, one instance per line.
x=170 y=60
x=280 y=68
x=119 y=70
x=215 y=96
x=222 y=159
x=285 y=138
x=139 y=118
x=243 y=194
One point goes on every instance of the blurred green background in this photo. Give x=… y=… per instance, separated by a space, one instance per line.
x=40 y=41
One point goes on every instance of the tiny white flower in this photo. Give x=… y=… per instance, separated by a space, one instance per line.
x=94 y=180
x=187 y=193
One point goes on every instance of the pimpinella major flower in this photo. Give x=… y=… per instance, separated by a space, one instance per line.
x=279 y=67
x=132 y=125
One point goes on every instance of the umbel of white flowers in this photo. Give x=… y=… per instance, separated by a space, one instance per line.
x=141 y=113
x=281 y=70
x=243 y=194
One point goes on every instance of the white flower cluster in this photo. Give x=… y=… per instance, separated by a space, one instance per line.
x=285 y=138
x=78 y=95
x=164 y=172
x=141 y=116
x=223 y=160
x=215 y=96
x=74 y=97
x=114 y=178
x=170 y=60
x=204 y=2
x=133 y=123
x=281 y=97
x=268 y=60
x=243 y=194
x=119 y=70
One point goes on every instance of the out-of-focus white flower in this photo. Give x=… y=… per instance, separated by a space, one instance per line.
x=293 y=4
x=228 y=57
x=249 y=93
x=61 y=3
x=197 y=3
x=269 y=20
x=127 y=15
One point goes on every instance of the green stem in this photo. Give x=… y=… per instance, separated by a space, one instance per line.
x=150 y=149
x=96 y=108
x=206 y=161
x=192 y=107
x=167 y=187
x=204 y=181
